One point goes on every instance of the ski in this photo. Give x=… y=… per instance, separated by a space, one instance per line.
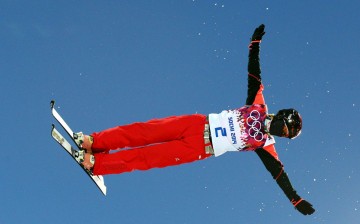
x=62 y=121
x=97 y=179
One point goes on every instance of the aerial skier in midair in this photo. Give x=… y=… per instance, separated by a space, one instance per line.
x=177 y=140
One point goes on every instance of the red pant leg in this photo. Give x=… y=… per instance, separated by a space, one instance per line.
x=145 y=133
x=170 y=141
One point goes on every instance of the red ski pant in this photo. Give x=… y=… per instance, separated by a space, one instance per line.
x=153 y=144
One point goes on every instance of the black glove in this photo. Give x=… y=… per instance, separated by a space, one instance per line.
x=258 y=33
x=304 y=207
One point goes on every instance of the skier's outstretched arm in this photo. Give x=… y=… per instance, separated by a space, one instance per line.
x=255 y=87
x=275 y=167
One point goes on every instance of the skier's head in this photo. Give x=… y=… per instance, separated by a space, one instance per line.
x=286 y=123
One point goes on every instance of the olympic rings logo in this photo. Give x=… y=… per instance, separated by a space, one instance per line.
x=255 y=126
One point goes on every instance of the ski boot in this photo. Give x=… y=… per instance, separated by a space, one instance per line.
x=86 y=160
x=83 y=141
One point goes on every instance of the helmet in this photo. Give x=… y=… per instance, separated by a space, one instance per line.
x=292 y=121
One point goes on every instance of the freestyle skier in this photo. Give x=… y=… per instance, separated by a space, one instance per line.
x=182 y=139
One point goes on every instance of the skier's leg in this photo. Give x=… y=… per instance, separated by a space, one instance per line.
x=160 y=155
x=145 y=133
x=188 y=148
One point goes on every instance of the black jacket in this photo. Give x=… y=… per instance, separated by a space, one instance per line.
x=268 y=155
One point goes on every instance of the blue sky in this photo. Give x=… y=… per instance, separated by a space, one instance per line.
x=109 y=63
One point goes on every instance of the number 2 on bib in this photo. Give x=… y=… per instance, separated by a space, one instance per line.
x=221 y=130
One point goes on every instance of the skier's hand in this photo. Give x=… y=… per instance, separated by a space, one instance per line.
x=304 y=207
x=258 y=33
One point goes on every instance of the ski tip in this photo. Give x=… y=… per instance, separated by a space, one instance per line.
x=52 y=129
x=52 y=103
x=103 y=190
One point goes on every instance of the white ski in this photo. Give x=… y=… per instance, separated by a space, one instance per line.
x=97 y=179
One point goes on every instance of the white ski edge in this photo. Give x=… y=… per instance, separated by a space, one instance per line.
x=60 y=119
x=97 y=179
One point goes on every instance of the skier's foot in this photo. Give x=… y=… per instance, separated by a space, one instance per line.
x=87 y=160
x=84 y=141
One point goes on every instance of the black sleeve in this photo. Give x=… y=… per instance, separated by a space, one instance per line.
x=276 y=169
x=254 y=77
